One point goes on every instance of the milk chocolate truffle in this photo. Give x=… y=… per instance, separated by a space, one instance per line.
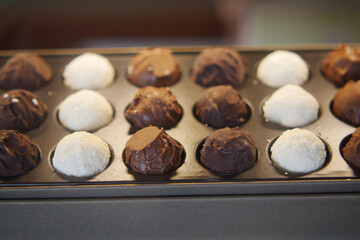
x=342 y=65
x=228 y=151
x=21 y=110
x=219 y=66
x=151 y=151
x=221 y=106
x=351 y=151
x=18 y=154
x=346 y=104
x=154 y=106
x=154 y=67
x=26 y=71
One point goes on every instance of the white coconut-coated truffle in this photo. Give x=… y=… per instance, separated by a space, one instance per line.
x=299 y=151
x=81 y=154
x=281 y=67
x=291 y=106
x=89 y=71
x=85 y=110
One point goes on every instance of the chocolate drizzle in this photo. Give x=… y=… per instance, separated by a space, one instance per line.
x=219 y=66
x=151 y=151
x=17 y=154
x=154 y=106
x=21 y=110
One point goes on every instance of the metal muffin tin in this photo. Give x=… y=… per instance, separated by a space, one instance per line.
x=191 y=178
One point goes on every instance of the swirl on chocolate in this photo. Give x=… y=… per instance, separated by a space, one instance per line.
x=221 y=106
x=342 y=65
x=346 y=104
x=229 y=151
x=25 y=71
x=154 y=106
x=154 y=67
x=21 y=110
x=151 y=151
x=351 y=151
x=219 y=66
x=17 y=154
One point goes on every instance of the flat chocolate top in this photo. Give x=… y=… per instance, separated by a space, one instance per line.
x=221 y=106
x=342 y=65
x=154 y=106
x=351 y=151
x=229 y=151
x=25 y=71
x=17 y=154
x=21 y=110
x=346 y=104
x=219 y=66
x=151 y=151
x=154 y=67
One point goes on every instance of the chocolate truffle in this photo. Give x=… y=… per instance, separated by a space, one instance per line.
x=26 y=71
x=219 y=66
x=154 y=106
x=151 y=151
x=18 y=154
x=346 y=104
x=81 y=154
x=221 y=106
x=229 y=151
x=154 y=67
x=342 y=65
x=21 y=110
x=351 y=151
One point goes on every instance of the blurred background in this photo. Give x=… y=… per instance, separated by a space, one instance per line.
x=119 y=23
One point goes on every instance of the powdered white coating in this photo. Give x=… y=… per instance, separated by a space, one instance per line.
x=81 y=154
x=299 y=151
x=281 y=67
x=89 y=71
x=85 y=110
x=291 y=106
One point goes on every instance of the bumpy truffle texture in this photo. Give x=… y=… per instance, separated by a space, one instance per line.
x=229 y=151
x=85 y=110
x=219 y=66
x=298 y=151
x=18 y=154
x=151 y=151
x=26 y=71
x=81 y=154
x=89 y=71
x=21 y=110
x=154 y=106
x=351 y=151
x=291 y=106
x=282 y=67
x=346 y=103
x=221 y=106
x=154 y=67
x=342 y=65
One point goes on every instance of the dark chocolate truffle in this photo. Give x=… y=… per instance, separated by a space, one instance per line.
x=346 y=104
x=342 y=65
x=221 y=106
x=154 y=67
x=26 y=71
x=21 y=110
x=151 y=151
x=154 y=106
x=219 y=66
x=228 y=151
x=17 y=154
x=351 y=151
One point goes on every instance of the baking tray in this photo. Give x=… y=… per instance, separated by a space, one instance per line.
x=190 y=177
